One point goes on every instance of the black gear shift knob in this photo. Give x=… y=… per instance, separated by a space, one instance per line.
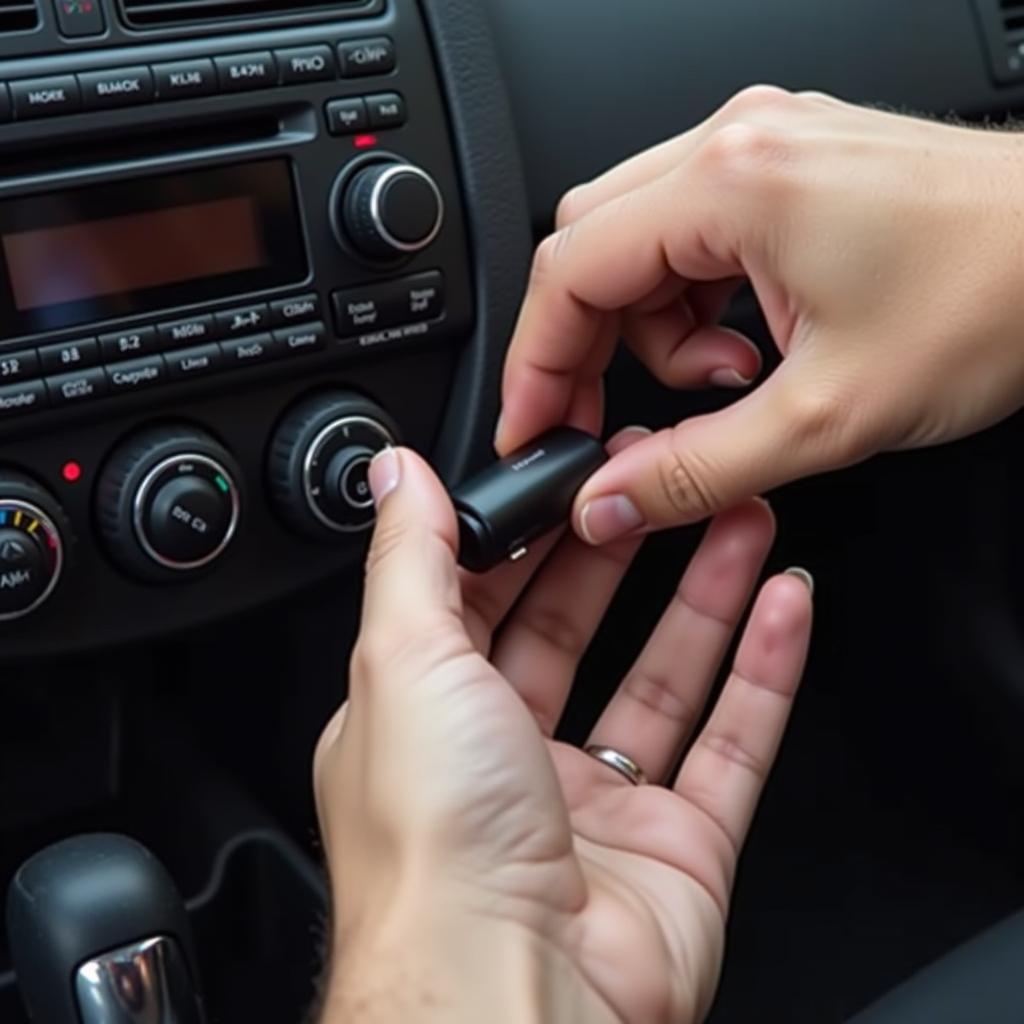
x=99 y=935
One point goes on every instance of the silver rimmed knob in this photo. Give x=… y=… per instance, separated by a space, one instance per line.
x=169 y=503
x=391 y=209
x=31 y=546
x=319 y=464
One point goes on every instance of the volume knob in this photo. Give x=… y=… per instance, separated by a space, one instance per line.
x=391 y=209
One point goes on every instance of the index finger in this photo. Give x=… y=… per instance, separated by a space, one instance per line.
x=584 y=275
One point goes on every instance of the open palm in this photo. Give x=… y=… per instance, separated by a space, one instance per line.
x=629 y=885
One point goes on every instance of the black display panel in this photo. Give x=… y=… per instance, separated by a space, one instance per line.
x=139 y=246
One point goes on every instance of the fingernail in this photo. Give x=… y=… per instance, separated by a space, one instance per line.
x=728 y=377
x=803 y=576
x=497 y=429
x=637 y=428
x=606 y=519
x=384 y=473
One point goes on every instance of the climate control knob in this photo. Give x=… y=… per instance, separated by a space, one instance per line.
x=319 y=460
x=390 y=209
x=169 y=503
x=31 y=546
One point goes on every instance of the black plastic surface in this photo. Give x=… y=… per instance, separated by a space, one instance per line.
x=523 y=496
x=592 y=82
x=80 y=898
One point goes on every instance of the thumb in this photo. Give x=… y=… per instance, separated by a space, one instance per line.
x=412 y=586
x=785 y=430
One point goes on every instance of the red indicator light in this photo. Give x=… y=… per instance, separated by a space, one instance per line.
x=365 y=141
x=72 y=472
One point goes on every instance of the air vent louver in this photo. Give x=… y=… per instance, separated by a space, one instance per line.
x=18 y=16
x=1002 y=28
x=160 y=13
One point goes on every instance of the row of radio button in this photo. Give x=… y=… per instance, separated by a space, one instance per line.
x=86 y=384
x=146 y=340
x=121 y=87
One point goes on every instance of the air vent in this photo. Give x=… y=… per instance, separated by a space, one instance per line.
x=1013 y=14
x=1002 y=28
x=18 y=16
x=162 y=13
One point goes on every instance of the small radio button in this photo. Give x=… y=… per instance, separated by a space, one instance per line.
x=248 y=351
x=45 y=97
x=346 y=117
x=367 y=57
x=386 y=110
x=244 y=320
x=22 y=398
x=245 y=71
x=186 y=332
x=135 y=375
x=18 y=366
x=139 y=341
x=290 y=311
x=69 y=355
x=185 y=79
x=122 y=87
x=292 y=341
x=308 y=64
x=76 y=388
x=193 y=362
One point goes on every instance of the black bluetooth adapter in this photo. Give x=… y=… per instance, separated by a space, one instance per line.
x=523 y=496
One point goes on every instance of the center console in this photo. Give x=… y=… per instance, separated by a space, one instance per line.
x=236 y=259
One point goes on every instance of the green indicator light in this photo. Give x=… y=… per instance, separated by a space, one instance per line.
x=222 y=483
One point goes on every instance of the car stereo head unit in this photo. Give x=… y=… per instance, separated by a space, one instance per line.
x=233 y=265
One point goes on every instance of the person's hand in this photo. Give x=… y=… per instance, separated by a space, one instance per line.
x=482 y=871
x=886 y=252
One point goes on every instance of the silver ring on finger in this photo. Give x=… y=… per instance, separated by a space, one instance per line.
x=618 y=762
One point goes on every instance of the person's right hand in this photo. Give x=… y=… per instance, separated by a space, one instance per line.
x=886 y=251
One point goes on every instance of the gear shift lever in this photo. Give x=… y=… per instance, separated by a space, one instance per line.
x=99 y=935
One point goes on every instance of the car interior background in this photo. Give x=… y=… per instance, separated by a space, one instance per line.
x=246 y=243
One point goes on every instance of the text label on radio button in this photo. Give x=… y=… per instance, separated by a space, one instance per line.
x=309 y=64
x=185 y=79
x=69 y=355
x=290 y=311
x=45 y=97
x=245 y=320
x=193 y=362
x=22 y=398
x=246 y=71
x=248 y=351
x=128 y=344
x=18 y=366
x=292 y=341
x=186 y=332
x=137 y=374
x=367 y=57
x=346 y=117
x=119 y=88
x=73 y=388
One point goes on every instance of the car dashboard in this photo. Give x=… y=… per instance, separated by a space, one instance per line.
x=243 y=246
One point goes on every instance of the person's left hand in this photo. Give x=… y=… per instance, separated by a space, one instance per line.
x=480 y=868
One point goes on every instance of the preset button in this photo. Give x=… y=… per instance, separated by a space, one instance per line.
x=128 y=344
x=18 y=366
x=22 y=398
x=248 y=351
x=185 y=79
x=367 y=57
x=194 y=362
x=135 y=375
x=186 y=332
x=69 y=355
x=75 y=388
x=119 y=88
x=246 y=71
x=45 y=97
x=308 y=64
x=289 y=311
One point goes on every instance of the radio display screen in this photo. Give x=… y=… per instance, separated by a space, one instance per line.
x=146 y=244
